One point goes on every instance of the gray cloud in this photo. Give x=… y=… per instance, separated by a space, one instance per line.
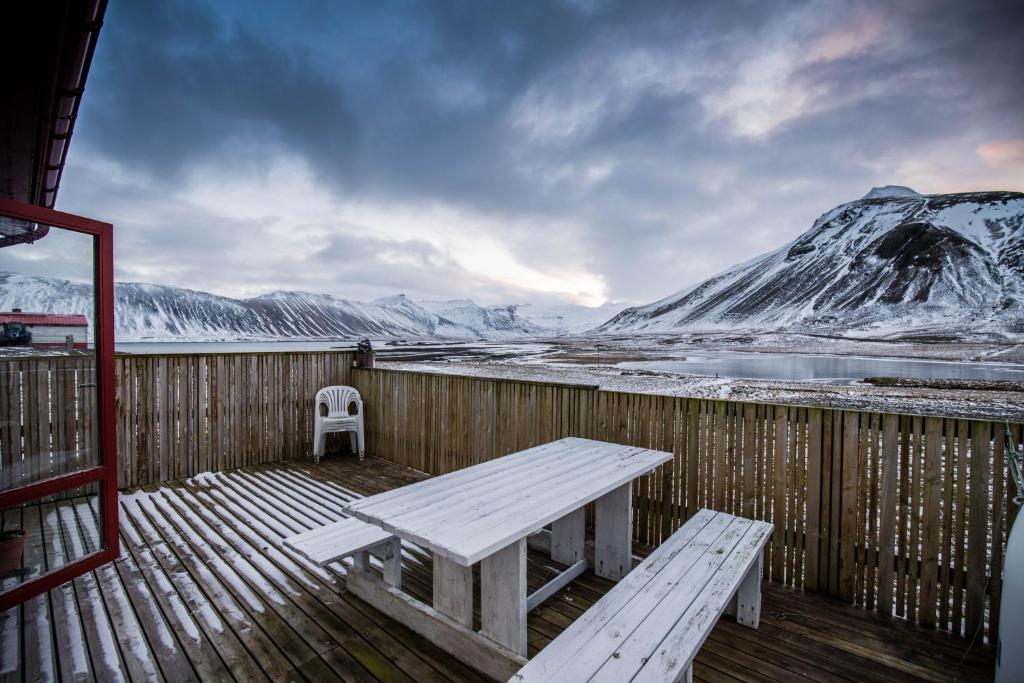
x=648 y=143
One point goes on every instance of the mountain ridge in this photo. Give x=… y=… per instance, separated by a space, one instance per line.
x=151 y=312
x=893 y=262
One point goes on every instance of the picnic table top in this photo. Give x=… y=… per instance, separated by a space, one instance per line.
x=469 y=514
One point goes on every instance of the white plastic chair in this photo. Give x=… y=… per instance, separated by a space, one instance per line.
x=337 y=400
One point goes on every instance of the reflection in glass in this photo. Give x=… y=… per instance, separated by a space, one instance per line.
x=45 y=535
x=48 y=397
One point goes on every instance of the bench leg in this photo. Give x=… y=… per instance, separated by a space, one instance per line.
x=613 y=533
x=748 y=596
x=503 y=597
x=361 y=561
x=453 y=590
x=568 y=538
x=392 y=561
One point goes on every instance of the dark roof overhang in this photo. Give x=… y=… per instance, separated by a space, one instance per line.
x=47 y=48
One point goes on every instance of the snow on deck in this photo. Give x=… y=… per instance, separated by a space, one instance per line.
x=204 y=590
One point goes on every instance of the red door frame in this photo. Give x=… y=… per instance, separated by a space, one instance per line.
x=105 y=473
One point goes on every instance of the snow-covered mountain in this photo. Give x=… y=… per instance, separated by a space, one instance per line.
x=494 y=321
x=892 y=262
x=146 y=312
x=525 y=319
x=568 y=318
x=159 y=313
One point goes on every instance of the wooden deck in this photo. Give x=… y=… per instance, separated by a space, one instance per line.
x=204 y=591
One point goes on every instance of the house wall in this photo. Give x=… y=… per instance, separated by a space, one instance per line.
x=53 y=335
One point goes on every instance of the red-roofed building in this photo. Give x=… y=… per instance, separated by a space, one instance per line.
x=51 y=330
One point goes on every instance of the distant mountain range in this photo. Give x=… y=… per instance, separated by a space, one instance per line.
x=526 y=318
x=893 y=263
x=147 y=312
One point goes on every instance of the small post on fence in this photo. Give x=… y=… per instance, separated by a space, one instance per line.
x=364 y=354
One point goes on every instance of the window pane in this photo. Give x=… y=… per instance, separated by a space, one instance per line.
x=48 y=395
x=48 y=533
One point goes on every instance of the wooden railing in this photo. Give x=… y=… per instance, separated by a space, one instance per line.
x=903 y=514
x=47 y=418
x=177 y=415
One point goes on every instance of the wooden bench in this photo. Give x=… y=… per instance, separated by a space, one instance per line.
x=652 y=623
x=353 y=538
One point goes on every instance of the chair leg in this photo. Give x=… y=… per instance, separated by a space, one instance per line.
x=352 y=442
x=361 y=438
x=318 y=443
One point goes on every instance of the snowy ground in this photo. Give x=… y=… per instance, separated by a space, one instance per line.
x=596 y=361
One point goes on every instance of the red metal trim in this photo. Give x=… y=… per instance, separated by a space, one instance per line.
x=106 y=472
x=30 y=589
x=45 y=319
x=104 y=340
x=47 y=487
x=39 y=214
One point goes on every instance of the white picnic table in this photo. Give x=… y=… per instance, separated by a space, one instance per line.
x=485 y=513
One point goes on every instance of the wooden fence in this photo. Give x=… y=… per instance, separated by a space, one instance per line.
x=177 y=415
x=903 y=514
x=47 y=418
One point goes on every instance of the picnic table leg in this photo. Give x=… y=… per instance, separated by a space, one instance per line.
x=503 y=597
x=453 y=590
x=568 y=537
x=613 y=533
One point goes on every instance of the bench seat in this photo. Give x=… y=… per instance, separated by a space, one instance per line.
x=652 y=623
x=350 y=537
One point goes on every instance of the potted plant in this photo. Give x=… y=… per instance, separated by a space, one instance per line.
x=12 y=545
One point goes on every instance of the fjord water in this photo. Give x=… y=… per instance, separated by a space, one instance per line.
x=232 y=347
x=824 y=368
x=798 y=367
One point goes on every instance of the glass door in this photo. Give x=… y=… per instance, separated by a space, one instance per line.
x=58 y=460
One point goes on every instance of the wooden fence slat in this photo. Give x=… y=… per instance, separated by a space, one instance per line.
x=914 y=540
x=849 y=532
x=814 y=495
x=959 y=534
x=930 y=521
x=977 y=528
x=888 y=508
x=946 y=541
x=779 y=494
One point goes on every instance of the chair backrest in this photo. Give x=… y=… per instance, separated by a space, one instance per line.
x=337 y=399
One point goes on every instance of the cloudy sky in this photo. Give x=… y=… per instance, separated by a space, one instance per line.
x=580 y=151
